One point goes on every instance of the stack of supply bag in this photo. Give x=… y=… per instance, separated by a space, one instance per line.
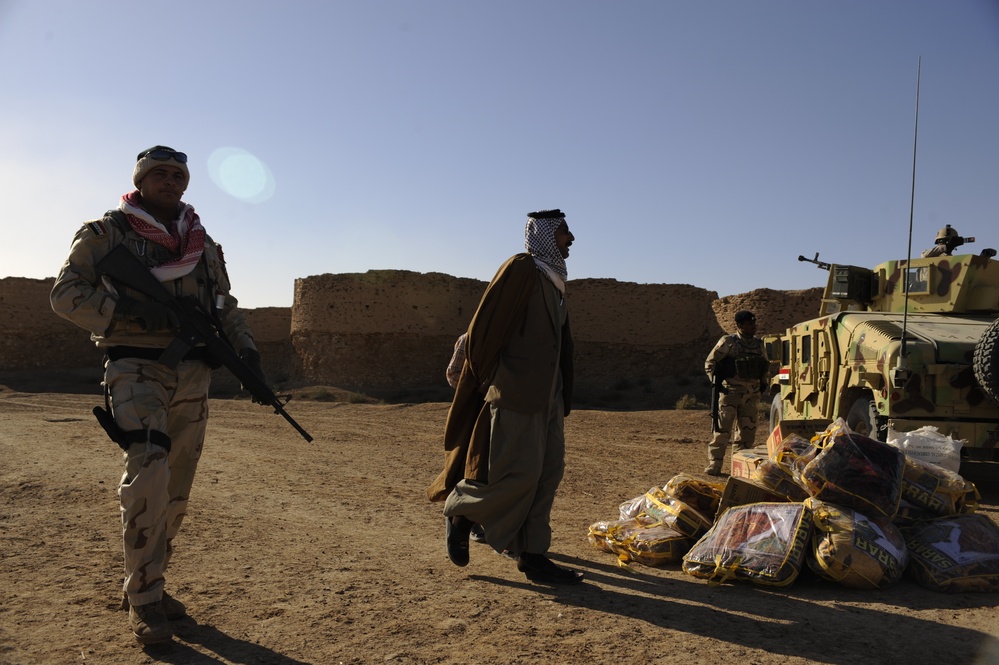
x=853 y=510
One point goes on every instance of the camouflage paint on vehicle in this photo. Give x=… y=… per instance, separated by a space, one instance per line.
x=852 y=355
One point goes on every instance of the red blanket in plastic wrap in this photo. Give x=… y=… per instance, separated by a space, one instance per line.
x=764 y=543
x=855 y=471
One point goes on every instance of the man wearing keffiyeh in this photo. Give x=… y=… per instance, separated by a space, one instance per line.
x=504 y=438
x=162 y=411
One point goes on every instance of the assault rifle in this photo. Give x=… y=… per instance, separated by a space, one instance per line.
x=196 y=327
x=724 y=369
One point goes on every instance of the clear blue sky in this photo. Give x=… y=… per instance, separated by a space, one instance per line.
x=696 y=142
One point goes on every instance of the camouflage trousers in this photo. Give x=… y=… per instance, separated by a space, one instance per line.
x=737 y=409
x=155 y=486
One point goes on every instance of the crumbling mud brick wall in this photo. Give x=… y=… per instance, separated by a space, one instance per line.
x=32 y=337
x=37 y=344
x=391 y=332
x=384 y=332
x=628 y=333
x=776 y=311
x=271 y=328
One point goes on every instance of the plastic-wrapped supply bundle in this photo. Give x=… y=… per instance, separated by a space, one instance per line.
x=855 y=471
x=954 y=554
x=634 y=540
x=677 y=514
x=771 y=475
x=793 y=453
x=608 y=534
x=908 y=514
x=936 y=491
x=601 y=534
x=632 y=507
x=657 y=545
x=927 y=444
x=763 y=543
x=700 y=495
x=856 y=551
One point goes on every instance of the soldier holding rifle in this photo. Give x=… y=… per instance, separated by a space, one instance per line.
x=159 y=407
x=738 y=368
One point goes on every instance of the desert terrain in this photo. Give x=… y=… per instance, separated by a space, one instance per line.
x=329 y=553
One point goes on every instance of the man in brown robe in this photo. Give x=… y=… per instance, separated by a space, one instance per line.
x=504 y=438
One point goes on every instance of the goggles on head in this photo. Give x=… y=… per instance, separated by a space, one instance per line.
x=162 y=155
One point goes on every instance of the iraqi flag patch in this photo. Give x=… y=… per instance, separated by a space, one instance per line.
x=97 y=228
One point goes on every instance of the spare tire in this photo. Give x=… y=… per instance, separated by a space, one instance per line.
x=986 y=361
x=776 y=412
x=863 y=418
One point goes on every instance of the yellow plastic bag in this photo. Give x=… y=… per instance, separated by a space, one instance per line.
x=857 y=551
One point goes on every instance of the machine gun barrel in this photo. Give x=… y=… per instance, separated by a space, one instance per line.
x=822 y=265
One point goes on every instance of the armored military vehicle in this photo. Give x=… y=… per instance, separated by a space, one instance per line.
x=907 y=344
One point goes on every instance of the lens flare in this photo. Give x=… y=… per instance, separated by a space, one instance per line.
x=241 y=175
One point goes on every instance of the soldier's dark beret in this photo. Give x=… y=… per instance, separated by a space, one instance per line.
x=743 y=316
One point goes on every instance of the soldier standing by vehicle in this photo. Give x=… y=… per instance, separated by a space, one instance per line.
x=160 y=409
x=738 y=364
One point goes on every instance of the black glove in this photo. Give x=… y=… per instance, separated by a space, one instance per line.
x=150 y=314
x=251 y=358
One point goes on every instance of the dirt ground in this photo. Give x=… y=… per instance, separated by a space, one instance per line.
x=329 y=552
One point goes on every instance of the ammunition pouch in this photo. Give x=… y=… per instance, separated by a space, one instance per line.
x=752 y=368
x=724 y=369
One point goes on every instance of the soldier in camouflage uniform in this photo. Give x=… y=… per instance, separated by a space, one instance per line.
x=741 y=360
x=161 y=411
x=947 y=240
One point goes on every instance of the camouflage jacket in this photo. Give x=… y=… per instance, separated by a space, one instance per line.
x=751 y=365
x=82 y=296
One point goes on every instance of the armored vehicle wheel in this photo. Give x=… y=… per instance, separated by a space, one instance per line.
x=776 y=411
x=863 y=419
x=986 y=361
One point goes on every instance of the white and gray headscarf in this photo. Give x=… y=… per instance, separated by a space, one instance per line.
x=539 y=239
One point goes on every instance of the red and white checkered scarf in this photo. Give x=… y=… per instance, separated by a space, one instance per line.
x=186 y=236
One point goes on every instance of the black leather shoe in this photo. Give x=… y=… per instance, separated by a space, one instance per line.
x=542 y=570
x=457 y=531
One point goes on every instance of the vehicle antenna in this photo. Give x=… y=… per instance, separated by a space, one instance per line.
x=901 y=374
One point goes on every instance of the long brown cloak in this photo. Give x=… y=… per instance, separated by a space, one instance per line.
x=466 y=432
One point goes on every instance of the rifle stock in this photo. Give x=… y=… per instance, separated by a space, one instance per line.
x=195 y=327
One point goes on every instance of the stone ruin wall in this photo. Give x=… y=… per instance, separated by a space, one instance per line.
x=32 y=337
x=390 y=333
x=383 y=332
x=35 y=342
x=776 y=311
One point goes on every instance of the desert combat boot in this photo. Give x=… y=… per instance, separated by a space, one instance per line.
x=149 y=623
x=172 y=608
